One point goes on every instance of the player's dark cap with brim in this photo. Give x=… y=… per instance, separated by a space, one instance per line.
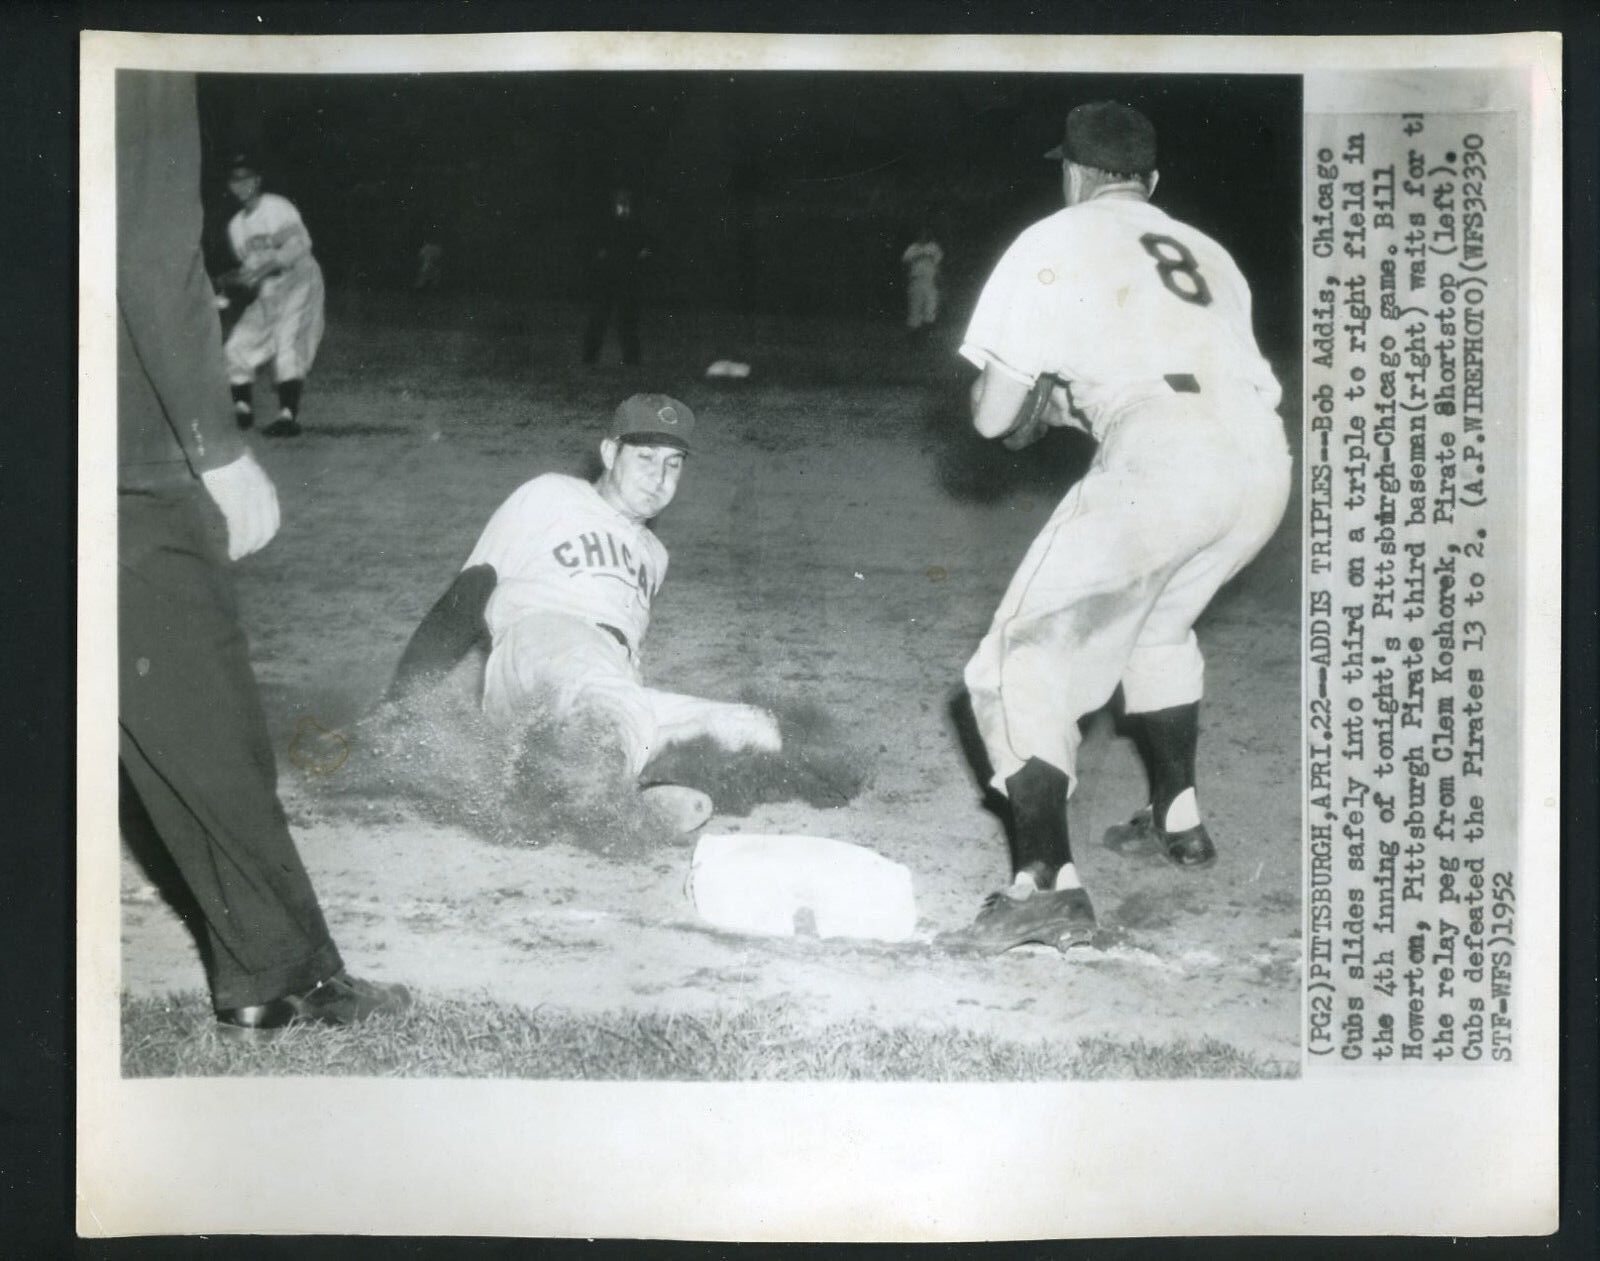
x=243 y=162
x=1108 y=136
x=653 y=420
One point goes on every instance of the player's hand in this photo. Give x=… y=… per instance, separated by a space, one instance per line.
x=1045 y=407
x=249 y=504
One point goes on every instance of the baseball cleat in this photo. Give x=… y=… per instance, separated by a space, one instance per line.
x=1062 y=918
x=684 y=809
x=338 y=1001
x=1191 y=847
x=286 y=426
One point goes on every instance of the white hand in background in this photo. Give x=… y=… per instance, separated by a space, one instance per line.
x=249 y=503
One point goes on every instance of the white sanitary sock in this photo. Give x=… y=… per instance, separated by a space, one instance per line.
x=1067 y=878
x=1183 y=813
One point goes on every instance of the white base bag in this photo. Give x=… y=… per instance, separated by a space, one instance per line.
x=756 y=883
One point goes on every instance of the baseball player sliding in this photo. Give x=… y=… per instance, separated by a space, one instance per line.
x=1114 y=316
x=562 y=580
x=282 y=285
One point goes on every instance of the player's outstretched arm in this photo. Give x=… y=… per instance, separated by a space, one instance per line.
x=452 y=626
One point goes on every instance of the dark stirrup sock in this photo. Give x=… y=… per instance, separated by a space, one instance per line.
x=289 y=395
x=1040 y=846
x=1169 y=739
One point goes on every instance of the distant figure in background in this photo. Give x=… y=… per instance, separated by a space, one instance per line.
x=197 y=764
x=921 y=260
x=280 y=285
x=429 y=260
x=617 y=267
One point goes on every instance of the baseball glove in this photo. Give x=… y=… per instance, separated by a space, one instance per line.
x=1040 y=411
x=236 y=291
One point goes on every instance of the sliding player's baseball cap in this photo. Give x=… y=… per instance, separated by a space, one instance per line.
x=653 y=420
x=1108 y=136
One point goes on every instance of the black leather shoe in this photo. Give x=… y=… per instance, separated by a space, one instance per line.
x=1062 y=918
x=1190 y=848
x=286 y=426
x=340 y=1000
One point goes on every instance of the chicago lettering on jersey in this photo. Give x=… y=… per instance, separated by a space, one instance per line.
x=599 y=554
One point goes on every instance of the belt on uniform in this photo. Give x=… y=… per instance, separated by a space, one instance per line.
x=615 y=634
x=1182 y=383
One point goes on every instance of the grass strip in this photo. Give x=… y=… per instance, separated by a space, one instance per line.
x=175 y=1037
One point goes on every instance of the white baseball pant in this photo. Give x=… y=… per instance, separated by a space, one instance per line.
x=583 y=671
x=922 y=301
x=1183 y=493
x=284 y=325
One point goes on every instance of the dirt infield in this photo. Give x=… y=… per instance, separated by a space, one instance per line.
x=841 y=540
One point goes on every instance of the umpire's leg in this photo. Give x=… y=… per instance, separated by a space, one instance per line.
x=194 y=745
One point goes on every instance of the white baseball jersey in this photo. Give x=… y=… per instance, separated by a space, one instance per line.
x=1113 y=295
x=922 y=259
x=558 y=547
x=272 y=232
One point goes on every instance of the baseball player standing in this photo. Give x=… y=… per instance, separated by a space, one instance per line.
x=430 y=259
x=921 y=260
x=283 y=322
x=562 y=580
x=1145 y=324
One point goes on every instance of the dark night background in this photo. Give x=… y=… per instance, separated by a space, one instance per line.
x=766 y=192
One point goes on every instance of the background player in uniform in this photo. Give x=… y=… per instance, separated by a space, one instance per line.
x=1145 y=323
x=283 y=321
x=562 y=579
x=921 y=261
x=430 y=266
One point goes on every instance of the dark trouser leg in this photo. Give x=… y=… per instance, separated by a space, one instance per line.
x=628 y=327
x=1168 y=740
x=289 y=395
x=195 y=749
x=594 y=330
x=1039 y=844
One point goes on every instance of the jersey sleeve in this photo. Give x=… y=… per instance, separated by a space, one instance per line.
x=1010 y=323
x=290 y=241
x=169 y=334
x=513 y=530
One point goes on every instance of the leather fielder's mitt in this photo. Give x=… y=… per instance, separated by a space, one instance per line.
x=1039 y=411
x=236 y=293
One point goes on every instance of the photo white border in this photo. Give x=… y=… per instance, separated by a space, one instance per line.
x=1458 y=1151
